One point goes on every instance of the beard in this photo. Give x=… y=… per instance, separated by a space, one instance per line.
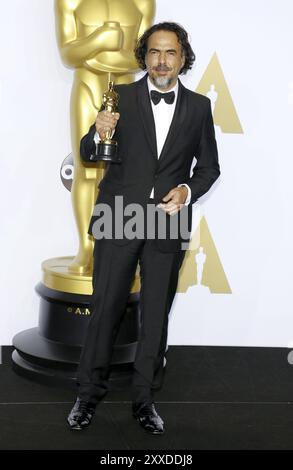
x=160 y=82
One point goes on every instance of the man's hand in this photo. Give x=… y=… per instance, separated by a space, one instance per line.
x=106 y=121
x=174 y=200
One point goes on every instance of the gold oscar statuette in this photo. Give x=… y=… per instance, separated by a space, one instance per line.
x=107 y=148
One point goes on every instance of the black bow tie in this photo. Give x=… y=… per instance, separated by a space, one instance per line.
x=156 y=97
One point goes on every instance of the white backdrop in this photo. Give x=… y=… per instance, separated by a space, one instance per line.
x=249 y=212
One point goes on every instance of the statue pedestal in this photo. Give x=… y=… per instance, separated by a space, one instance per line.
x=50 y=352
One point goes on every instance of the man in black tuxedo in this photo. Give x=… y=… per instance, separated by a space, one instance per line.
x=161 y=127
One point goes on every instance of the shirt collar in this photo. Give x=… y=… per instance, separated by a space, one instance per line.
x=153 y=87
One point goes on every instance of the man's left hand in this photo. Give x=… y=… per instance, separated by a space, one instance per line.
x=174 y=200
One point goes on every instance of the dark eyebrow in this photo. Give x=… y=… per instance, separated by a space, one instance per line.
x=158 y=50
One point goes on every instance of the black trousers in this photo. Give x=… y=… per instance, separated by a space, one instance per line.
x=113 y=273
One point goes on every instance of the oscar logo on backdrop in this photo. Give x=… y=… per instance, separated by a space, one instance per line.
x=96 y=39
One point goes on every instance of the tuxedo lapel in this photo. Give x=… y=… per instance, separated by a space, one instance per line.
x=146 y=114
x=147 y=117
x=177 y=121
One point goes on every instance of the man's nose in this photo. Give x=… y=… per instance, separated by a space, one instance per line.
x=162 y=58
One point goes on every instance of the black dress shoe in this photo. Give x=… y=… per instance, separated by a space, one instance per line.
x=81 y=414
x=148 y=418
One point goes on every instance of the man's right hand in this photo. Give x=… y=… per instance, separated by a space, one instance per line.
x=106 y=121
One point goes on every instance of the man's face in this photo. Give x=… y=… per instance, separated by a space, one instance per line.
x=164 y=59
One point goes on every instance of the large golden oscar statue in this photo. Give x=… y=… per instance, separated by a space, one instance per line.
x=96 y=38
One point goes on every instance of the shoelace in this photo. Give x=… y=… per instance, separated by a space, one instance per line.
x=84 y=407
x=149 y=408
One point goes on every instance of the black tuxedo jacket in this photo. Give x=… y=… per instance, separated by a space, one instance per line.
x=191 y=134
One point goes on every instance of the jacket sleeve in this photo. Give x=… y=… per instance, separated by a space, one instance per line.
x=207 y=168
x=87 y=144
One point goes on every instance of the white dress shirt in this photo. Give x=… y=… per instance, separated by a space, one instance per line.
x=163 y=115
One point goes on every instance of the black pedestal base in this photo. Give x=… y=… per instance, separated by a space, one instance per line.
x=49 y=362
x=107 y=152
x=51 y=352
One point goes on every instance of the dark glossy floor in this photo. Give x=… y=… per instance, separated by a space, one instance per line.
x=212 y=398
